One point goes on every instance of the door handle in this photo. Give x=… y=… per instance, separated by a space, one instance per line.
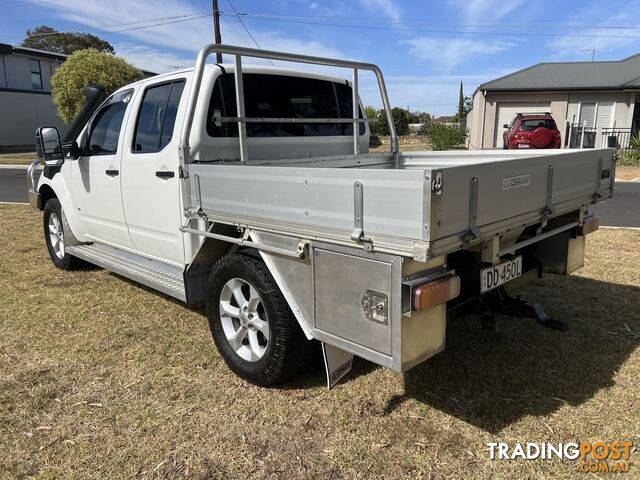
x=112 y=173
x=165 y=174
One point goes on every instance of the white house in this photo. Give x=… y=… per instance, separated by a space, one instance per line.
x=599 y=98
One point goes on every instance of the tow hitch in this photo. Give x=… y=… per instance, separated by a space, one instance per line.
x=499 y=302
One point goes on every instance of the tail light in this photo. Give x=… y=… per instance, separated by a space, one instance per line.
x=436 y=293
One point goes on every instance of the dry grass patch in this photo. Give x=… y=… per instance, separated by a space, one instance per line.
x=101 y=378
x=17 y=158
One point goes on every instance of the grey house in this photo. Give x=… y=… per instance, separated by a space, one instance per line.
x=25 y=95
x=597 y=98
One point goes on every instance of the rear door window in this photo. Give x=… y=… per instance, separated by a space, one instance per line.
x=157 y=117
x=280 y=96
x=527 y=125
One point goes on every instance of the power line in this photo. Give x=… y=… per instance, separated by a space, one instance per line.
x=158 y=24
x=242 y=37
x=455 y=32
x=450 y=22
x=247 y=30
x=105 y=28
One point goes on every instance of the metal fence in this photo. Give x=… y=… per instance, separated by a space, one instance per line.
x=623 y=137
x=580 y=136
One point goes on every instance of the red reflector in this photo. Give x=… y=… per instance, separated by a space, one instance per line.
x=436 y=293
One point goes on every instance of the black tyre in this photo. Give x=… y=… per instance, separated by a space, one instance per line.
x=54 y=236
x=251 y=323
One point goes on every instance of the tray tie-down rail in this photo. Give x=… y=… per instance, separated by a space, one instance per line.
x=244 y=241
x=358 y=235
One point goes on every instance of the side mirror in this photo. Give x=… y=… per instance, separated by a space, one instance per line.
x=505 y=126
x=49 y=147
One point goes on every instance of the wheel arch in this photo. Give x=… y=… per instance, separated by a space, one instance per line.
x=293 y=276
x=46 y=194
x=57 y=187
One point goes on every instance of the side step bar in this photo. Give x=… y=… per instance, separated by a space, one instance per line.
x=151 y=273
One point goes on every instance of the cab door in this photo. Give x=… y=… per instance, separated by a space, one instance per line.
x=150 y=180
x=95 y=176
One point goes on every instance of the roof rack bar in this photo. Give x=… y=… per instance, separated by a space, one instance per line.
x=242 y=126
x=356 y=125
x=185 y=148
x=290 y=120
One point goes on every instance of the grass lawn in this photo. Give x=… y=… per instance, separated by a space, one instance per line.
x=101 y=378
x=405 y=147
x=17 y=158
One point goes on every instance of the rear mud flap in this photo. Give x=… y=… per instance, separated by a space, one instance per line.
x=337 y=363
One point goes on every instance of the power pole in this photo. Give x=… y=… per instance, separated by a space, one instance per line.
x=593 y=53
x=216 y=29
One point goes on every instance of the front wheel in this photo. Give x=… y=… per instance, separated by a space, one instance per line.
x=54 y=235
x=251 y=323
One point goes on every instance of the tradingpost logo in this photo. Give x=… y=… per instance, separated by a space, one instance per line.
x=593 y=457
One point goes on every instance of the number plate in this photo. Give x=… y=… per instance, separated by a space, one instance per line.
x=523 y=145
x=500 y=274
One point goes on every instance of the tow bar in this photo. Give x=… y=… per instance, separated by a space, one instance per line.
x=499 y=302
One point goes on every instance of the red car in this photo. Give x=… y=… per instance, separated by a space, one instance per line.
x=531 y=130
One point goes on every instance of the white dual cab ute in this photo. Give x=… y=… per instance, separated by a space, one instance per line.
x=252 y=189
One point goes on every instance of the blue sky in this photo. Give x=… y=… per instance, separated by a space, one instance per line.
x=425 y=48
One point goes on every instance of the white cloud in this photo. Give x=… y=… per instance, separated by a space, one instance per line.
x=599 y=39
x=437 y=95
x=487 y=9
x=447 y=53
x=183 y=35
x=388 y=8
x=152 y=59
x=188 y=36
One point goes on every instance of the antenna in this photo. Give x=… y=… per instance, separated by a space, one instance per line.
x=593 y=53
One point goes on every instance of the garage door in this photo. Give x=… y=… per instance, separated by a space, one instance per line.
x=507 y=111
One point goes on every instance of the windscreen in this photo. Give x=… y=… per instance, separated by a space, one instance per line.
x=281 y=96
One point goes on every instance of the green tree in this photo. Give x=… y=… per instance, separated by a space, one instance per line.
x=461 y=114
x=371 y=112
x=467 y=106
x=49 y=39
x=400 y=116
x=426 y=123
x=445 y=136
x=88 y=67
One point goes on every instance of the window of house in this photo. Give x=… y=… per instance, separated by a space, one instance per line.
x=106 y=125
x=597 y=114
x=281 y=96
x=587 y=114
x=157 y=117
x=36 y=75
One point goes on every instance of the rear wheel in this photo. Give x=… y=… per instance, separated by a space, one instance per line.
x=251 y=323
x=54 y=235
